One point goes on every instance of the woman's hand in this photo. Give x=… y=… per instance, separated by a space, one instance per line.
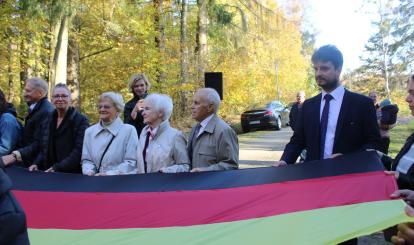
x=139 y=106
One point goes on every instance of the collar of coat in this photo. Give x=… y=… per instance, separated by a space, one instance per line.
x=211 y=125
x=160 y=129
x=113 y=128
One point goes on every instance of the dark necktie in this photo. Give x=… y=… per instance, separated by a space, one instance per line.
x=193 y=139
x=144 y=152
x=324 y=124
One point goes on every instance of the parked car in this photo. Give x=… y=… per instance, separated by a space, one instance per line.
x=273 y=115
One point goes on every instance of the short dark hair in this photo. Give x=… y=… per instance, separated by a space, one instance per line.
x=329 y=53
x=3 y=103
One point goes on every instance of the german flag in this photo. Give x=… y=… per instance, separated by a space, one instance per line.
x=322 y=202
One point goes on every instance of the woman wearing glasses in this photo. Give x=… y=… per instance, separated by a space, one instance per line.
x=110 y=146
x=138 y=86
x=61 y=139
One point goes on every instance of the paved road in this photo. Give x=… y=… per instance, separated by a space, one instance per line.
x=261 y=148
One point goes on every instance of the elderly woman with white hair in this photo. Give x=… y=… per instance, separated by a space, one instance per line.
x=109 y=147
x=161 y=147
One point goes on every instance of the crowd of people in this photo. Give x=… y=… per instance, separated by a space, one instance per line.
x=56 y=137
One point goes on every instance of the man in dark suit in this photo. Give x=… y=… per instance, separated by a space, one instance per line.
x=35 y=94
x=335 y=121
x=296 y=108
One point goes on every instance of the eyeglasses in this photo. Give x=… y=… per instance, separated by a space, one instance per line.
x=61 y=96
x=106 y=107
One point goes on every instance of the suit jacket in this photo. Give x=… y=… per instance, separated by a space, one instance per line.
x=216 y=148
x=404 y=181
x=356 y=129
x=293 y=115
x=32 y=128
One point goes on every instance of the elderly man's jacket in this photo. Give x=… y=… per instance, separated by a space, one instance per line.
x=216 y=148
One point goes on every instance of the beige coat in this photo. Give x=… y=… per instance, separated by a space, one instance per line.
x=216 y=148
x=166 y=150
x=121 y=156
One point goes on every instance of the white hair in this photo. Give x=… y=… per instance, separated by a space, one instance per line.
x=116 y=99
x=39 y=84
x=161 y=103
x=212 y=97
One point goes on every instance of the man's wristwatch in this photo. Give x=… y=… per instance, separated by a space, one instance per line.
x=14 y=155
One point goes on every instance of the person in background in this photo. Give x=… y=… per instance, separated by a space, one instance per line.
x=296 y=108
x=374 y=97
x=138 y=86
x=383 y=111
x=213 y=144
x=387 y=121
x=110 y=146
x=60 y=144
x=35 y=94
x=10 y=128
x=162 y=148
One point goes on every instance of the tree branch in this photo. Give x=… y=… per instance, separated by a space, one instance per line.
x=95 y=53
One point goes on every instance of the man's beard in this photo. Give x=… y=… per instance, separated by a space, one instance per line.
x=329 y=85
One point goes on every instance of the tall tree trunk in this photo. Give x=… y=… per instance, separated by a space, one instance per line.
x=201 y=39
x=11 y=57
x=184 y=55
x=74 y=71
x=26 y=54
x=58 y=70
x=160 y=39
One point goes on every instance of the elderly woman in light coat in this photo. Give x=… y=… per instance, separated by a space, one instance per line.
x=109 y=147
x=161 y=147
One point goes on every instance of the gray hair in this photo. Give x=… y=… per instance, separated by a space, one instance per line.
x=161 y=103
x=39 y=84
x=137 y=77
x=61 y=85
x=116 y=99
x=212 y=97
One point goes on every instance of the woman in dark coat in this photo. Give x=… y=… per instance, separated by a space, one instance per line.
x=138 y=86
x=61 y=140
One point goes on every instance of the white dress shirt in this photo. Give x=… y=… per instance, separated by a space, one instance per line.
x=334 y=109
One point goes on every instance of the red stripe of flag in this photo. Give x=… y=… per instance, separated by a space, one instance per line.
x=76 y=210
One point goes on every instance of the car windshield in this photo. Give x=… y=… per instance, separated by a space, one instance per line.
x=275 y=105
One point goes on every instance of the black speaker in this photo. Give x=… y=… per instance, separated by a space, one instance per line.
x=214 y=80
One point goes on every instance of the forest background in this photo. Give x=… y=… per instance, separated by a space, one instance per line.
x=262 y=48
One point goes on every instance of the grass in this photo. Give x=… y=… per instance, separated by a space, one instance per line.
x=398 y=136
